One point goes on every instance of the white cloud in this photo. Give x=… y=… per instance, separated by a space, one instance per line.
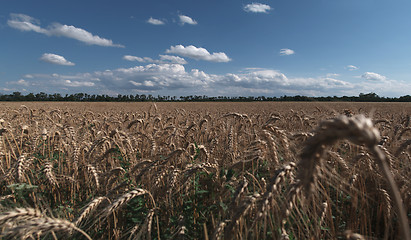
x=198 y=53
x=56 y=82
x=27 y=23
x=152 y=77
x=155 y=21
x=332 y=75
x=133 y=58
x=8 y=89
x=176 y=80
x=28 y=76
x=173 y=59
x=70 y=83
x=163 y=59
x=186 y=19
x=286 y=52
x=273 y=82
x=351 y=67
x=321 y=84
x=80 y=35
x=150 y=68
x=257 y=8
x=254 y=80
x=373 y=76
x=22 y=82
x=149 y=83
x=172 y=77
x=55 y=59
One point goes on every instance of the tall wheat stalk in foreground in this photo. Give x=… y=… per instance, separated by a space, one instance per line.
x=359 y=130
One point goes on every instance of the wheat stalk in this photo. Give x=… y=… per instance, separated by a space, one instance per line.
x=240 y=212
x=146 y=227
x=273 y=188
x=359 y=130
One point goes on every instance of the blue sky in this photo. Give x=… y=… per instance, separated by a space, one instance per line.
x=193 y=47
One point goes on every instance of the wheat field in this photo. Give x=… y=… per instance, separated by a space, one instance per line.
x=205 y=170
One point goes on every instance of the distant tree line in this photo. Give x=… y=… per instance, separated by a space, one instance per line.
x=84 y=97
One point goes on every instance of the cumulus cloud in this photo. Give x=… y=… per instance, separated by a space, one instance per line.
x=158 y=77
x=56 y=82
x=186 y=19
x=257 y=8
x=55 y=59
x=286 y=52
x=172 y=59
x=155 y=21
x=151 y=77
x=28 y=76
x=70 y=83
x=26 y=23
x=22 y=82
x=373 y=76
x=148 y=78
x=351 y=67
x=321 y=84
x=80 y=35
x=9 y=89
x=163 y=59
x=331 y=75
x=267 y=81
x=198 y=53
x=175 y=79
x=134 y=58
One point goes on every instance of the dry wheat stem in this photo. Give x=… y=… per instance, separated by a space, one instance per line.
x=239 y=213
x=359 y=130
x=147 y=225
x=273 y=188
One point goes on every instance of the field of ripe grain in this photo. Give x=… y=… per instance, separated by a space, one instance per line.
x=205 y=170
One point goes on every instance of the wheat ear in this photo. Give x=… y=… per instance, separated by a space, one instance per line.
x=218 y=233
x=273 y=188
x=123 y=200
x=359 y=130
x=43 y=225
x=350 y=235
x=19 y=214
x=93 y=171
x=89 y=208
x=48 y=170
x=22 y=166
